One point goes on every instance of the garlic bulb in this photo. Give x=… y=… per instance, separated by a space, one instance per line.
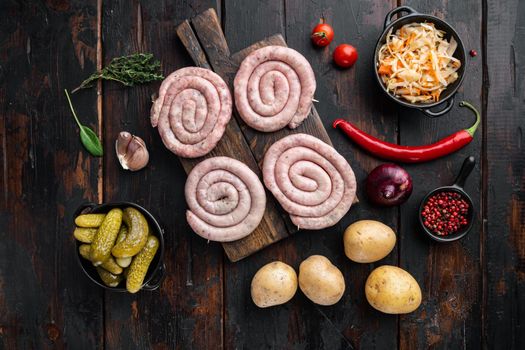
x=131 y=151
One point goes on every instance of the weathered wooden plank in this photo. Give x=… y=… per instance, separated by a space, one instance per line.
x=246 y=326
x=192 y=45
x=186 y=312
x=351 y=94
x=449 y=274
x=211 y=36
x=505 y=165
x=45 y=300
x=301 y=324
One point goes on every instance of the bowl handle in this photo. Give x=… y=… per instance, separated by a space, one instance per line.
x=84 y=206
x=157 y=279
x=431 y=114
x=466 y=169
x=391 y=14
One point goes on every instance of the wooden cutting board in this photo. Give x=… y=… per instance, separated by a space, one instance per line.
x=205 y=42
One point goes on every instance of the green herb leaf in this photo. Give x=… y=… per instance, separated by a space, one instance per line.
x=88 y=137
x=91 y=141
x=139 y=68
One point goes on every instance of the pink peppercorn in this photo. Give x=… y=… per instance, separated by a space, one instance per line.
x=445 y=213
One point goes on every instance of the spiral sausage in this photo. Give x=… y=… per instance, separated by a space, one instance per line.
x=274 y=87
x=226 y=199
x=311 y=181
x=192 y=111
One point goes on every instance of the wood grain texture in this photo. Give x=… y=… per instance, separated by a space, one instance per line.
x=191 y=43
x=186 y=312
x=449 y=274
x=301 y=324
x=351 y=94
x=44 y=301
x=505 y=175
x=472 y=290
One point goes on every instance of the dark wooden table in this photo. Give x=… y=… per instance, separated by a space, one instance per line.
x=473 y=290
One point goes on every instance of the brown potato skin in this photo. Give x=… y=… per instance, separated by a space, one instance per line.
x=274 y=284
x=367 y=241
x=321 y=281
x=392 y=290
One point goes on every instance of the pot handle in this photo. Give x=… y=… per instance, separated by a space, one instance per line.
x=82 y=207
x=466 y=169
x=391 y=14
x=157 y=279
x=431 y=114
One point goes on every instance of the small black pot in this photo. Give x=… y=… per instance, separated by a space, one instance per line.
x=466 y=169
x=447 y=97
x=157 y=269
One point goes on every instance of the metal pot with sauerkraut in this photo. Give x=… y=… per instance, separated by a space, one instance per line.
x=419 y=61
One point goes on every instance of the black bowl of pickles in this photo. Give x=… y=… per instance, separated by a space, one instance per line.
x=120 y=246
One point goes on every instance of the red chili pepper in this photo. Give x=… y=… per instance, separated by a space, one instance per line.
x=410 y=154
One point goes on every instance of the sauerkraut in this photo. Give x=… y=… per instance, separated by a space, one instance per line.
x=416 y=62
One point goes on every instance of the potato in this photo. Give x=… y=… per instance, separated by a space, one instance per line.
x=321 y=281
x=274 y=284
x=392 y=290
x=367 y=241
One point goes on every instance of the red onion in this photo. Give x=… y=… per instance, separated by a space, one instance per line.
x=388 y=185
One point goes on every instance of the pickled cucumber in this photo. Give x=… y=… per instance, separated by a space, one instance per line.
x=84 y=234
x=140 y=264
x=122 y=233
x=108 y=265
x=123 y=262
x=112 y=266
x=89 y=220
x=105 y=237
x=136 y=237
x=108 y=278
x=84 y=250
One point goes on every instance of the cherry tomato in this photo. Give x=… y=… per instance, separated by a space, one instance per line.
x=323 y=34
x=345 y=55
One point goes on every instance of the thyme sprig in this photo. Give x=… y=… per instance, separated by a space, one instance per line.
x=138 y=68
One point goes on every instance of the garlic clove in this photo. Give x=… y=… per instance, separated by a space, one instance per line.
x=139 y=154
x=121 y=146
x=131 y=151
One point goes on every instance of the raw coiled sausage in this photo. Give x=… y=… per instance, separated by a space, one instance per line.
x=226 y=199
x=274 y=87
x=192 y=111
x=311 y=181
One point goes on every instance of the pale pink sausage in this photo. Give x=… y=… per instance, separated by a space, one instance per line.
x=226 y=199
x=192 y=110
x=274 y=87
x=311 y=181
